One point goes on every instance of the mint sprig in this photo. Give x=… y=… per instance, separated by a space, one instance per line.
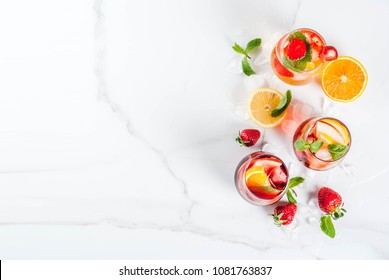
x=246 y=67
x=327 y=226
x=284 y=103
x=240 y=50
x=251 y=46
x=299 y=65
x=301 y=145
x=337 y=150
x=290 y=193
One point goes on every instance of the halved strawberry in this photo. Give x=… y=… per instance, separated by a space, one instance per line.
x=328 y=53
x=281 y=69
x=297 y=49
x=316 y=42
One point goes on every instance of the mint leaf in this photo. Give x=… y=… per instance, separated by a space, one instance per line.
x=246 y=67
x=315 y=146
x=327 y=226
x=337 y=150
x=299 y=35
x=240 y=50
x=284 y=103
x=301 y=64
x=295 y=181
x=290 y=197
x=252 y=45
x=301 y=144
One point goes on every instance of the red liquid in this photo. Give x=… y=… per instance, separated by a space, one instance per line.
x=327 y=130
x=274 y=178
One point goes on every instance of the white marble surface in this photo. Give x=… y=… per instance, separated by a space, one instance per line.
x=117 y=126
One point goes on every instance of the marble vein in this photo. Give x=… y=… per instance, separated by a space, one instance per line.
x=296 y=13
x=116 y=108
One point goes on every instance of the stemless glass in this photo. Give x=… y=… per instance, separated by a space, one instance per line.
x=286 y=68
x=267 y=168
x=329 y=131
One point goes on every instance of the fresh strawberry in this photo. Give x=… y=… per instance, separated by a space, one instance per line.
x=281 y=69
x=316 y=42
x=297 y=49
x=284 y=214
x=248 y=137
x=328 y=53
x=331 y=202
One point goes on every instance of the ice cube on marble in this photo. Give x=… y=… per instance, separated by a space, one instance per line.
x=254 y=81
x=235 y=65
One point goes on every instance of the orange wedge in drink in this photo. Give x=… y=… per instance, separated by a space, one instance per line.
x=256 y=176
x=344 y=79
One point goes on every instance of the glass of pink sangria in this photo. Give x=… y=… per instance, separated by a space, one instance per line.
x=261 y=178
x=321 y=143
x=299 y=56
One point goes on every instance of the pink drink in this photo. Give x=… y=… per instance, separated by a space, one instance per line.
x=303 y=73
x=330 y=131
x=261 y=178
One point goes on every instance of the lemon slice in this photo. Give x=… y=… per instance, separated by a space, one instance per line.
x=261 y=103
x=327 y=138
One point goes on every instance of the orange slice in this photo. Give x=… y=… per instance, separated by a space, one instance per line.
x=256 y=176
x=261 y=102
x=344 y=79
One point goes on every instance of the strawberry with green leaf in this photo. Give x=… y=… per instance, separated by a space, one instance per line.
x=284 y=214
x=299 y=52
x=331 y=203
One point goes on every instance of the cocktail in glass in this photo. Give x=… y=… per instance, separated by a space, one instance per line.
x=332 y=134
x=298 y=56
x=261 y=178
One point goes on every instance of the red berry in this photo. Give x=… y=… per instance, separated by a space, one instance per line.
x=284 y=214
x=248 y=137
x=316 y=42
x=281 y=69
x=297 y=49
x=328 y=53
x=330 y=202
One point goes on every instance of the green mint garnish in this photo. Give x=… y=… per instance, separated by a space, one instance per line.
x=315 y=146
x=337 y=150
x=240 y=50
x=246 y=67
x=295 y=181
x=251 y=46
x=290 y=193
x=284 y=103
x=299 y=65
x=327 y=226
x=298 y=35
x=302 y=145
